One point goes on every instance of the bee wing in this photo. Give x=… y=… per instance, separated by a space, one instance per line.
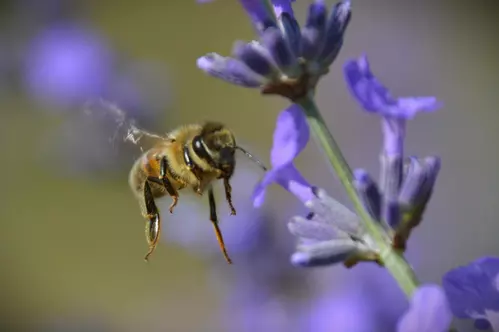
x=125 y=127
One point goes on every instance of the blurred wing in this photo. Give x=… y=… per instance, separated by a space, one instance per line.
x=125 y=128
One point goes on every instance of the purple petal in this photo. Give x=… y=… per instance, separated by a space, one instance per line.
x=370 y=93
x=473 y=288
x=393 y=129
x=481 y=324
x=413 y=182
x=283 y=6
x=374 y=97
x=332 y=212
x=292 y=32
x=336 y=26
x=275 y=42
x=289 y=178
x=368 y=192
x=257 y=11
x=390 y=180
x=67 y=64
x=261 y=188
x=313 y=231
x=419 y=181
x=253 y=56
x=344 y=310
x=317 y=15
x=290 y=136
x=230 y=70
x=315 y=30
x=429 y=311
x=324 y=253
x=412 y=105
x=263 y=16
x=292 y=180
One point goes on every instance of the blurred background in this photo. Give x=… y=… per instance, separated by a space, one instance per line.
x=72 y=239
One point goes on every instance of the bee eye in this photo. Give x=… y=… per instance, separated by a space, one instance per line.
x=199 y=149
x=197 y=144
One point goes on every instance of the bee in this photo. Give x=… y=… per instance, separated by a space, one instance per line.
x=192 y=156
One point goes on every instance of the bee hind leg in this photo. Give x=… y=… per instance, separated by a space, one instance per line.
x=153 y=224
x=228 y=196
x=214 y=221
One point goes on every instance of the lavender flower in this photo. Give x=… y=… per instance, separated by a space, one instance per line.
x=473 y=292
x=398 y=211
x=67 y=64
x=429 y=311
x=417 y=186
x=342 y=310
x=286 y=61
x=333 y=233
x=290 y=138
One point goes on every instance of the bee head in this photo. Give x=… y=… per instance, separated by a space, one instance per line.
x=216 y=145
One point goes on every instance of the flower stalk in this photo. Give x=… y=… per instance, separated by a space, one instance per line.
x=392 y=259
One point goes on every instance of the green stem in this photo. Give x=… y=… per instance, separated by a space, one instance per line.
x=393 y=260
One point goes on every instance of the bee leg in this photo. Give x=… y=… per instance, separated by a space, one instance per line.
x=171 y=191
x=153 y=224
x=199 y=189
x=163 y=169
x=228 y=196
x=214 y=221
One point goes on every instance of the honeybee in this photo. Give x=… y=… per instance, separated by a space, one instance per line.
x=192 y=156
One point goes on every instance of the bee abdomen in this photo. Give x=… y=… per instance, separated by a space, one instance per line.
x=137 y=177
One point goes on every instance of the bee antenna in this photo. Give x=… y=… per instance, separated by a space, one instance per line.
x=251 y=157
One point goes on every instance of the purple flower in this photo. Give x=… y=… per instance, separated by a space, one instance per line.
x=285 y=61
x=376 y=98
x=343 y=310
x=67 y=64
x=290 y=138
x=473 y=292
x=368 y=192
x=429 y=311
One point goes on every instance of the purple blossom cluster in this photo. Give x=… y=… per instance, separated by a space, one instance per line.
x=288 y=60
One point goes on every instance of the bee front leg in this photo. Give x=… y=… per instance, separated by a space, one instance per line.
x=214 y=221
x=200 y=186
x=228 y=196
x=153 y=224
x=199 y=189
